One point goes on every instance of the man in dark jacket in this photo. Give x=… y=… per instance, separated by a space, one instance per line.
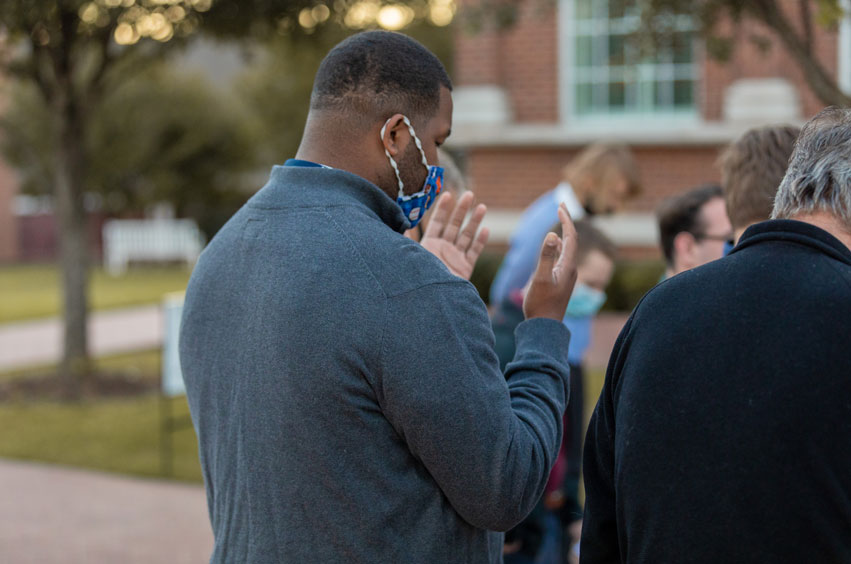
x=348 y=402
x=722 y=433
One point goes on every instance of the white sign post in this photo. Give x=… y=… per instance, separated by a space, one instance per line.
x=171 y=385
x=172 y=377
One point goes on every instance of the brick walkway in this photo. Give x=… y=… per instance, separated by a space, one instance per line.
x=59 y=515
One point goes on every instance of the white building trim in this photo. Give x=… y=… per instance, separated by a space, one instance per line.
x=564 y=57
x=481 y=104
x=542 y=135
x=624 y=229
x=844 y=46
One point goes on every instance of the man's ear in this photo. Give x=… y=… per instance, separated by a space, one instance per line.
x=395 y=135
x=684 y=248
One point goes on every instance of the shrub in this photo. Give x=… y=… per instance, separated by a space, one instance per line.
x=632 y=279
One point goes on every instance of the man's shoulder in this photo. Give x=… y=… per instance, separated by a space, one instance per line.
x=400 y=264
x=343 y=237
x=397 y=263
x=754 y=284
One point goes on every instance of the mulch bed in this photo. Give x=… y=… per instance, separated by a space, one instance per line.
x=97 y=385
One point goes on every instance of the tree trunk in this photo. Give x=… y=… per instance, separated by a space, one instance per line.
x=73 y=242
x=817 y=77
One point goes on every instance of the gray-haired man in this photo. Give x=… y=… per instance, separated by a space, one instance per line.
x=722 y=433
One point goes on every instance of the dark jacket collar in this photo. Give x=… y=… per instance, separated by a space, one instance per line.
x=797 y=232
x=294 y=186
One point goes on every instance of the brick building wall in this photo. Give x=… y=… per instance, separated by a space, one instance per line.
x=530 y=63
x=476 y=57
x=510 y=178
x=516 y=155
x=750 y=60
x=522 y=58
x=38 y=237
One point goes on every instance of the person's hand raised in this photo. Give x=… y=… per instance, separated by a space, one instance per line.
x=552 y=283
x=457 y=248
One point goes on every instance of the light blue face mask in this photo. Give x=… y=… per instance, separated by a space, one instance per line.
x=585 y=301
x=415 y=205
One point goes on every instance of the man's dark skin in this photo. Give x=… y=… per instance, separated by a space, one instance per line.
x=339 y=139
x=352 y=142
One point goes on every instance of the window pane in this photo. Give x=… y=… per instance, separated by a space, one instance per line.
x=617 y=53
x=617 y=95
x=683 y=93
x=663 y=98
x=682 y=47
x=583 y=9
x=600 y=101
x=617 y=8
x=583 y=51
x=583 y=98
x=646 y=92
x=611 y=76
x=622 y=8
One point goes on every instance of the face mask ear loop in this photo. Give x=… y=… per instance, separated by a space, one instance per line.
x=416 y=140
x=393 y=162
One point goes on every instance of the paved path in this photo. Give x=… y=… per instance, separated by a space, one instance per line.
x=34 y=343
x=58 y=515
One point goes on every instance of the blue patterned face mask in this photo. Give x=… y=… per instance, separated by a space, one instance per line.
x=585 y=301
x=415 y=205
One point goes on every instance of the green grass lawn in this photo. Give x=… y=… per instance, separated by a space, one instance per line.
x=115 y=435
x=33 y=291
x=121 y=435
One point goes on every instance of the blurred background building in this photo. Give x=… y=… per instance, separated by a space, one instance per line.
x=531 y=93
x=566 y=74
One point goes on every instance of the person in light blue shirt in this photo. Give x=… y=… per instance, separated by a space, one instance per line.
x=597 y=181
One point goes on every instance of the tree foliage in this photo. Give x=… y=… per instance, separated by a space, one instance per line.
x=790 y=23
x=91 y=116
x=158 y=137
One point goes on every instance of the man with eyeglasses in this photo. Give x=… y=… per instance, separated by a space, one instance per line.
x=693 y=228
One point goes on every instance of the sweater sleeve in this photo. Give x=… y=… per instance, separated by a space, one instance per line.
x=488 y=441
x=600 y=541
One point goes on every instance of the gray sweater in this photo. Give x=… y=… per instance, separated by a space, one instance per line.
x=343 y=384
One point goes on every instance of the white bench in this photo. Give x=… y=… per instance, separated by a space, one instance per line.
x=126 y=240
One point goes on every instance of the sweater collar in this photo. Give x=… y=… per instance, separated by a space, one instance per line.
x=796 y=232
x=300 y=186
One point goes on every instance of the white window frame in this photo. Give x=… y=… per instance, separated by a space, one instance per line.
x=844 y=40
x=567 y=86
